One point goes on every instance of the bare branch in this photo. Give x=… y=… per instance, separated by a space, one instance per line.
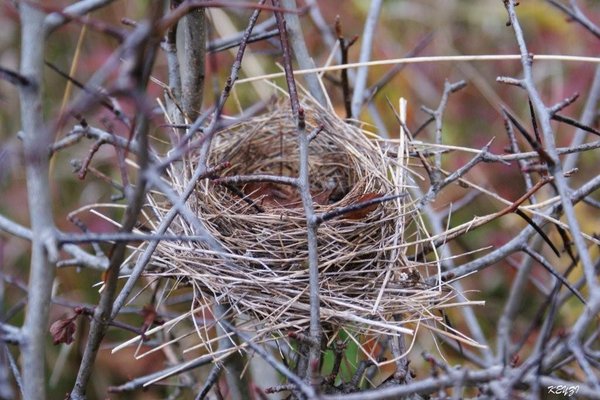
x=82 y=7
x=305 y=61
x=36 y=139
x=307 y=390
x=191 y=48
x=575 y=13
x=314 y=357
x=360 y=83
x=141 y=58
x=554 y=167
x=143 y=381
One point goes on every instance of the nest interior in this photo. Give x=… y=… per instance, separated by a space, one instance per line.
x=261 y=271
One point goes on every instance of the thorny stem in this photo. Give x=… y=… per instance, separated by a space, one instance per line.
x=201 y=172
x=141 y=56
x=555 y=166
x=517 y=242
x=36 y=139
x=438 y=114
x=314 y=355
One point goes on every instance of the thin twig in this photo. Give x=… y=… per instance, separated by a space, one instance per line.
x=211 y=379
x=143 y=57
x=360 y=83
x=550 y=148
x=305 y=61
x=307 y=390
x=314 y=357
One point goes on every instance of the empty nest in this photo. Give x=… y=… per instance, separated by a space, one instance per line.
x=366 y=278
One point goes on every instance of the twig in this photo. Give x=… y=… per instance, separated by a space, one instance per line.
x=544 y=263
x=553 y=163
x=10 y=334
x=143 y=381
x=82 y=7
x=211 y=379
x=459 y=173
x=320 y=218
x=423 y=386
x=372 y=91
x=100 y=93
x=344 y=47
x=514 y=148
x=241 y=179
x=193 y=53
x=13 y=77
x=305 y=61
x=143 y=57
x=260 y=32
x=360 y=83
x=304 y=189
x=576 y=124
x=575 y=13
x=438 y=115
x=44 y=253
x=307 y=390
x=14 y=229
x=15 y=370
x=92 y=237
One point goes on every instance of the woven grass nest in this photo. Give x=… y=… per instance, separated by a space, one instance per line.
x=365 y=276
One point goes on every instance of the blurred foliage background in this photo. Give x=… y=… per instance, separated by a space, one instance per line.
x=457 y=27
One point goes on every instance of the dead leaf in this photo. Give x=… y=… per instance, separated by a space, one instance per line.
x=322 y=198
x=272 y=195
x=63 y=330
x=362 y=212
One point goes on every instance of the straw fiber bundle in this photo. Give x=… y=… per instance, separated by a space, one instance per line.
x=365 y=279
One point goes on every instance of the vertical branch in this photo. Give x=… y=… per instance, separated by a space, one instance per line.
x=174 y=92
x=344 y=47
x=233 y=76
x=237 y=381
x=360 y=83
x=438 y=116
x=514 y=148
x=305 y=61
x=36 y=139
x=191 y=50
x=304 y=189
x=201 y=172
x=141 y=48
x=554 y=166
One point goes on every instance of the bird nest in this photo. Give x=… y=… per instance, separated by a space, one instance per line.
x=259 y=266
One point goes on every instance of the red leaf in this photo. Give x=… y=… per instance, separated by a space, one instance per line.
x=62 y=330
x=150 y=317
x=363 y=212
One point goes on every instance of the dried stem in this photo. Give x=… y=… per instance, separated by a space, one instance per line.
x=36 y=139
x=554 y=167
x=142 y=57
x=314 y=357
x=360 y=83
x=305 y=61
